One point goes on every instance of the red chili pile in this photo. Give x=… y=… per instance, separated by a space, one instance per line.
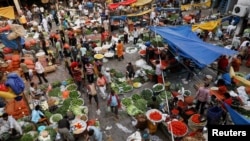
x=178 y=128
x=175 y=112
x=196 y=118
x=155 y=116
x=189 y=112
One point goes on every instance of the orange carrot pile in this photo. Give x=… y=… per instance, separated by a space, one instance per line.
x=196 y=118
x=155 y=116
x=175 y=112
x=178 y=128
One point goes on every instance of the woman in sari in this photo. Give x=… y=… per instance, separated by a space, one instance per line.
x=119 y=50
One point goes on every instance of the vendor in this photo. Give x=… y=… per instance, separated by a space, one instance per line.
x=9 y=124
x=37 y=116
x=34 y=92
x=130 y=72
x=64 y=129
x=95 y=133
x=149 y=52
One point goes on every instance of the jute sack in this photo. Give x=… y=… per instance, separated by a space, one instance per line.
x=12 y=35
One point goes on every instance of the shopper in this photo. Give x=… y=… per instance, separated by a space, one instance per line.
x=114 y=103
x=202 y=97
x=101 y=83
x=119 y=50
x=25 y=70
x=40 y=71
x=89 y=72
x=92 y=92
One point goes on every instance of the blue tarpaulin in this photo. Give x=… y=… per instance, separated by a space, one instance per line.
x=10 y=43
x=168 y=9
x=119 y=18
x=186 y=43
x=236 y=117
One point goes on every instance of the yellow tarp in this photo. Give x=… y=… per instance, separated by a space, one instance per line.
x=210 y=25
x=7 y=12
x=139 y=14
x=196 y=5
x=141 y=3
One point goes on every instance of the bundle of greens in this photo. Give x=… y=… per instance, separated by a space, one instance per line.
x=135 y=97
x=127 y=101
x=55 y=92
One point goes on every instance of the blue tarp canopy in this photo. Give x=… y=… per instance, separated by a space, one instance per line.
x=119 y=18
x=186 y=43
x=236 y=117
x=168 y=9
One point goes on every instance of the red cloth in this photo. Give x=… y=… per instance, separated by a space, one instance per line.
x=73 y=65
x=228 y=101
x=223 y=63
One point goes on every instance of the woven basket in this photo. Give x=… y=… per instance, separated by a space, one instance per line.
x=195 y=126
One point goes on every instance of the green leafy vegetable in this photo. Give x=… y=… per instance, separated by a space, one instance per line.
x=127 y=101
x=27 y=128
x=147 y=94
x=135 y=97
x=132 y=110
x=47 y=114
x=77 y=102
x=158 y=88
x=27 y=137
x=56 y=117
x=72 y=87
x=163 y=94
x=141 y=104
x=52 y=133
x=73 y=94
x=76 y=109
x=70 y=81
x=127 y=88
x=119 y=75
x=55 y=92
x=56 y=84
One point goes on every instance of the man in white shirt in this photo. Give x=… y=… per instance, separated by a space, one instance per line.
x=41 y=9
x=45 y=25
x=9 y=124
x=40 y=71
x=156 y=21
x=80 y=9
x=230 y=29
x=152 y=16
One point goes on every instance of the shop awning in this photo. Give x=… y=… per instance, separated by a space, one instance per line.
x=196 y=5
x=210 y=25
x=7 y=12
x=139 y=14
x=141 y=2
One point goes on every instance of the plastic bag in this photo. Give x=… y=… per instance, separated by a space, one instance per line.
x=135 y=137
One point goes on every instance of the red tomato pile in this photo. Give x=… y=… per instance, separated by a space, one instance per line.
x=178 y=128
x=196 y=118
x=155 y=116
